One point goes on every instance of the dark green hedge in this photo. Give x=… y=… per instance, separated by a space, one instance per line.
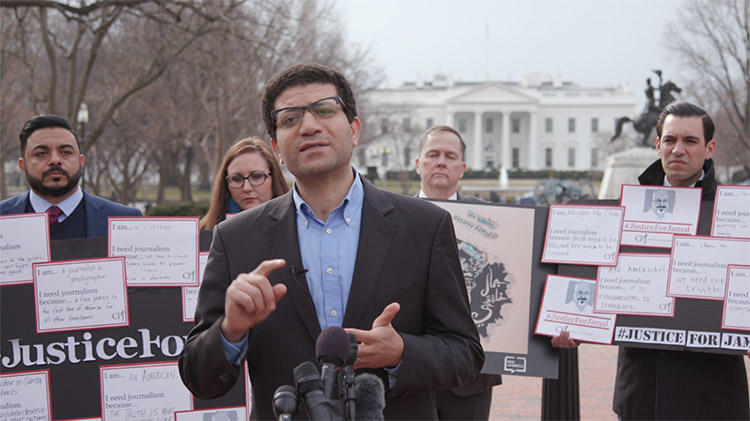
x=564 y=175
x=494 y=173
x=178 y=209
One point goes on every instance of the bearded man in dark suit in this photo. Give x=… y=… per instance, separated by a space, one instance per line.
x=52 y=161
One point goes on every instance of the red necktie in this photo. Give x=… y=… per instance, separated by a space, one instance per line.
x=53 y=212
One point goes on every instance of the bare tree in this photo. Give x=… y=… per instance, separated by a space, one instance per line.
x=169 y=84
x=61 y=45
x=712 y=39
x=220 y=80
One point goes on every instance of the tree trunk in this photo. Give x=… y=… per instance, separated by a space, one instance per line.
x=163 y=177
x=186 y=195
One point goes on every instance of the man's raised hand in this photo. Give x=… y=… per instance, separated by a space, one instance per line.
x=250 y=299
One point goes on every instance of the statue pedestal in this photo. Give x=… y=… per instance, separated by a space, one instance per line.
x=624 y=168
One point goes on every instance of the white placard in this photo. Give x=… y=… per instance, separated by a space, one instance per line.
x=235 y=413
x=731 y=212
x=146 y=392
x=698 y=268
x=25 y=396
x=736 y=313
x=80 y=294
x=24 y=240
x=190 y=294
x=583 y=235
x=637 y=285
x=157 y=251
x=654 y=214
x=568 y=304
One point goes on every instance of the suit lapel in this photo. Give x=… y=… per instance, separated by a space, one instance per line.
x=281 y=239
x=375 y=237
x=92 y=213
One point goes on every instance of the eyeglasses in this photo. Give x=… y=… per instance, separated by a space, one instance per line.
x=322 y=109
x=236 y=181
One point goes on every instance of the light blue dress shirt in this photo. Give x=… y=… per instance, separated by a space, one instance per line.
x=329 y=252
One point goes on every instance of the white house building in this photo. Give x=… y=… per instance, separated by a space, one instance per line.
x=533 y=124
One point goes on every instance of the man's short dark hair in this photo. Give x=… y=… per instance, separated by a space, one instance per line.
x=44 y=121
x=687 y=109
x=305 y=74
x=435 y=129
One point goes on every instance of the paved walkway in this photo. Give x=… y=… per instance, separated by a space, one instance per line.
x=520 y=398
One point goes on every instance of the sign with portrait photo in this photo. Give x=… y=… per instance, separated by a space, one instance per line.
x=654 y=214
x=568 y=305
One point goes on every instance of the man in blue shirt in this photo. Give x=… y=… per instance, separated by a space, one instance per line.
x=52 y=161
x=335 y=251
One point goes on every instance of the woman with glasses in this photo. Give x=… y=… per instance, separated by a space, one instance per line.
x=249 y=176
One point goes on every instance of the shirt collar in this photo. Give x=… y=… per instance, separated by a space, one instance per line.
x=67 y=206
x=667 y=184
x=422 y=195
x=351 y=203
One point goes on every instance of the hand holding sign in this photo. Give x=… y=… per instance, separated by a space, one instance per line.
x=250 y=299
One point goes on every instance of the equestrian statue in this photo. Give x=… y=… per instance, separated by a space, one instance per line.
x=647 y=120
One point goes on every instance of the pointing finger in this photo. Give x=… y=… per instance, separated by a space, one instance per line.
x=385 y=318
x=267 y=266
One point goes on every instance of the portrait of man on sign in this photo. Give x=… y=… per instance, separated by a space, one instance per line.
x=581 y=295
x=660 y=201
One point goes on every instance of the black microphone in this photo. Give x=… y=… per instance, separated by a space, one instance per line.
x=370 y=397
x=331 y=350
x=285 y=403
x=350 y=394
x=310 y=387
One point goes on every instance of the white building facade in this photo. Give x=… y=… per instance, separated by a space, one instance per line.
x=530 y=125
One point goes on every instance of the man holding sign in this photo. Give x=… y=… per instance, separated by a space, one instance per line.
x=52 y=161
x=659 y=384
x=334 y=251
x=440 y=165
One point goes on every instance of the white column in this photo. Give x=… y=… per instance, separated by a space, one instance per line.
x=533 y=158
x=451 y=120
x=505 y=142
x=478 y=126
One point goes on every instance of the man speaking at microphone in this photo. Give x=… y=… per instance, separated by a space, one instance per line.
x=334 y=251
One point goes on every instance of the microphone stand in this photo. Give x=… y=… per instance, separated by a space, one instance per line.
x=350 y=394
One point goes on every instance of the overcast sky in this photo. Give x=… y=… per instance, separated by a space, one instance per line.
x=590 y=42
